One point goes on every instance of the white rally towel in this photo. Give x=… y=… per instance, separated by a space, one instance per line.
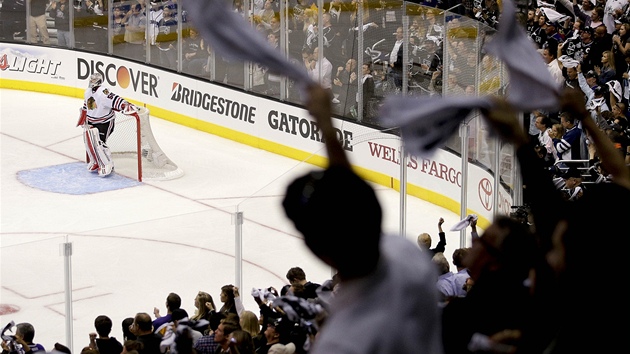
x=232 y=37
x=553 y=15
x=543 y=4
x=426 y=122
x=568 y=62
x=464 y=223
x=531 y=85
x=615 y=88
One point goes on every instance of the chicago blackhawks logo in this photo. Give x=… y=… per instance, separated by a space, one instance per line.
x=91 y=103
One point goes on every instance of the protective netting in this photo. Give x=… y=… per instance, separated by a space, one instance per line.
x=126 y=145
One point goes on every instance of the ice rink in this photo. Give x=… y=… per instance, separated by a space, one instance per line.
x=133 y=243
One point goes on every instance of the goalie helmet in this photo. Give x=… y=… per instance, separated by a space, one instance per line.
x=96 y=79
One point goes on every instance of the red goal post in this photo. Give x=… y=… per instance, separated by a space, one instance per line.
x=135 y=149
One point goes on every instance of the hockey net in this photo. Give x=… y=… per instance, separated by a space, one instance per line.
x=134 y=148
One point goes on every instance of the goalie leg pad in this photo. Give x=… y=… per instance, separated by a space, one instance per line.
x=108 y=168
x=91 y=151
x=98 y=152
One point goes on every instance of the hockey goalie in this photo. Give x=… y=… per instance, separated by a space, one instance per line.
x=97 y=119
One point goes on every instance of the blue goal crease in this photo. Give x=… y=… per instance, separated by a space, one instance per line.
x=73 y=178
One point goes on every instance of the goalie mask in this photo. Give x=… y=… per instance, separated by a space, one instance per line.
x=96 y=79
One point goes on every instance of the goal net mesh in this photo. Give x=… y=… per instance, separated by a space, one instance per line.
x=134 y=148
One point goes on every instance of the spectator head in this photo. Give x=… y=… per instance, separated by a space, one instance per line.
x=179 y=315
x=542 y=122
x=548 y=54
x=619 y=109
x=551 y=26
x=505 y=248
x=424 y=241
x=558 y=130
x=458 y=257
x=572 y=178
x=586 y=34
x=249 y=323
x=601 y=31
x=541 y=151
x=232 y=317
x=242 y=341
x=531 y=14
x=399 y=33
x=173 y=302
x=296 y=275
x=227 y=294
x=222 y=334
x=591 y=77
x=200 y=301
x=126 y=324
x=312 y=203
x=103 y=325
x=366 y=68
x=141 y=324
x=578 y=24
x=441 y=263
x=278 y=330
x=62 y=348
x=26 y=331
x=567 y=120
x=215 y=320
x=130 y=346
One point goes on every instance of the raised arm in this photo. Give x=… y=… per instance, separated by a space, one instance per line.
x=441 y=246
x=611 y=159
x=319 y=106
x=473 y=229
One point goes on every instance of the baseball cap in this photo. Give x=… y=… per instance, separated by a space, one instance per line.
x=588 y=29
x=591 y=73
x=281 y=325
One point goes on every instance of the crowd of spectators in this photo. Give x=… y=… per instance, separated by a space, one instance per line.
x=584 y=47
x=514 y=290
x=137 y=23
